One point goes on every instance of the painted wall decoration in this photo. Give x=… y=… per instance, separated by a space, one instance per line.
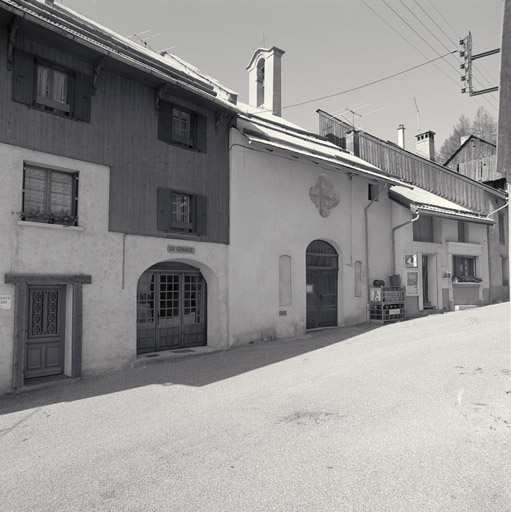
x=323 y=195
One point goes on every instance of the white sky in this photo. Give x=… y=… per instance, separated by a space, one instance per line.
x=331 y=46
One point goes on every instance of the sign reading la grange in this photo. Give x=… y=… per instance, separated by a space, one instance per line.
x=181 y=249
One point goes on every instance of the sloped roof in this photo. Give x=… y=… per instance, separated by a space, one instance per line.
x=273 y=132
x=430 y=163
x=167 y=68
x=421 y=200
x=469 y=138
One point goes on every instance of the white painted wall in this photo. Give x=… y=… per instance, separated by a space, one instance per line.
x=109 y=303
x=272 y=215
x=444 y=247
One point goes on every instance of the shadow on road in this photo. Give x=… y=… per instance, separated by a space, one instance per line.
x=199 y=370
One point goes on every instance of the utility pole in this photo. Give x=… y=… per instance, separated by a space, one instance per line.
x=467 y=56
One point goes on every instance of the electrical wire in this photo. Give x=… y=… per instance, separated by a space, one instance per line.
x=456 y=35
x=369 y=83
x=427 y=43
x=449 y=39
x=445 y=47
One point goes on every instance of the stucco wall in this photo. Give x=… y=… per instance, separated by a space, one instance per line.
x=114 y=261
x=273 y=215
x=440 y=255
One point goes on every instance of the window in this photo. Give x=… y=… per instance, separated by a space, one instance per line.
x=182 y=127
x=505 y=271
x=464 y=269
x=46 y=86
x=181 y=213
x=373 y=192
x=502 y=229
x=462 y=231
x=49 y=196
x=52 y=88
x=423 y=229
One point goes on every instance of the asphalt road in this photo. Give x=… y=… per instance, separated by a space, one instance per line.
x=408 y=417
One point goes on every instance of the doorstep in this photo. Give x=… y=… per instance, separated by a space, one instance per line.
x=173 y=355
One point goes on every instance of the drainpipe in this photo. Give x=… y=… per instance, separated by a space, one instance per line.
x=367 y=240
x=394 y=239
x=490 y=294
x=498 y=209
x=123 y=258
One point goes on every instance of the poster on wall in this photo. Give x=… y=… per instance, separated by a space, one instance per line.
x=412 y=283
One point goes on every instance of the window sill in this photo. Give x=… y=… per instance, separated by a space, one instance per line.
x=466 y=284
x=50 y=226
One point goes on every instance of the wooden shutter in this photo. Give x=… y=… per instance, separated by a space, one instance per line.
x=23 y=78
x=202 y=133
x=163 y=209
x=82 y=97
x=201 y=219
x=165 y=121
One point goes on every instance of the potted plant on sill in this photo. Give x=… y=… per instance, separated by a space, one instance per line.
x=63 y=217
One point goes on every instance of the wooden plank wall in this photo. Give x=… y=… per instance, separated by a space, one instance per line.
x=405 y=165
x=122 y=134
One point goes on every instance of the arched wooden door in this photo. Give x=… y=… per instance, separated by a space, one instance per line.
x=171 y=308
x=322 y=268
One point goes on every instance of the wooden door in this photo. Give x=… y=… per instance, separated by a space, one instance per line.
x=425 y=282
x=44 y=348
x=321 y=285
x=171 y=311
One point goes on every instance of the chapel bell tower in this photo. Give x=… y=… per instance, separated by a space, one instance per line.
x=265 y=80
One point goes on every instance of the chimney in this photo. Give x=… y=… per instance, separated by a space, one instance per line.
x=353 y=142
x=265 y=81
x=426 y=145
x=401 y=136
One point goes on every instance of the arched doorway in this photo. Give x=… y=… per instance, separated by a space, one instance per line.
x=171 y=308
x=322 y=268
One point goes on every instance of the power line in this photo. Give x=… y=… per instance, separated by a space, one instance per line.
x=456 y=35
x=370 y=83
x=427 y=43
x=447 y=36
x=434 y=35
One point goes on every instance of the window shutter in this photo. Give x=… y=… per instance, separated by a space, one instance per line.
x=165 y=121
x=202 y=133
x=163 y=209
x=82 y=97
x=201 y=219
x=23 y=78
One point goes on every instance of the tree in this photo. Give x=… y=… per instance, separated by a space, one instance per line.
x=461 y=129
x=483 y=126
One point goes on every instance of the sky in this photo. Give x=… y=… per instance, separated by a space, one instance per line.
x=334 y=48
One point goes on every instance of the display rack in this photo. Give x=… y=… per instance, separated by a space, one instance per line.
x=386 y=304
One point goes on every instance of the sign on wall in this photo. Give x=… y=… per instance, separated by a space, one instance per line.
x=180 y=249
x=412 y=283
x=5 y=302
x=411 y=261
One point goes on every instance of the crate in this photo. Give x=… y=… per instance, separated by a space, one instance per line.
x=386 y=304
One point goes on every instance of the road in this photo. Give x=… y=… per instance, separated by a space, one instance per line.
x=413 y=416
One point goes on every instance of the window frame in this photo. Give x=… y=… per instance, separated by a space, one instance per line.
x=502 y=228
x=418 y=234
x=373 y=192
x=50 y=103
x=463 y=231
x=468 y=275
x=167 y=132
x=25 y=83
x=47 y=215
x=196 y=225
